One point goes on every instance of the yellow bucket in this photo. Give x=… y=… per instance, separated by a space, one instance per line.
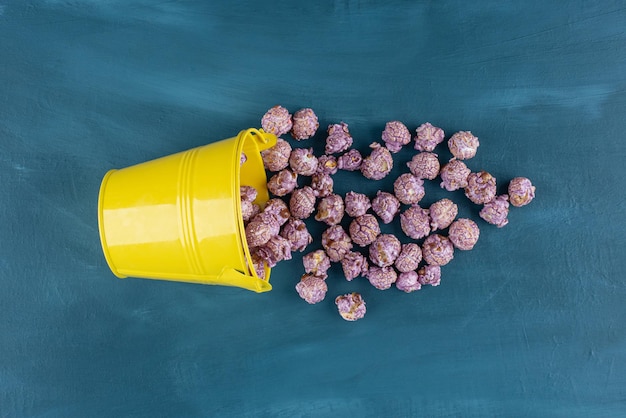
x=179 y=217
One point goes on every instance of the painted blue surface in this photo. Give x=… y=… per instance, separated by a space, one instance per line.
x=529 y=323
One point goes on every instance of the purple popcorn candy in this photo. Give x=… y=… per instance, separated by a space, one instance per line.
x=269 y=219
x=409 y=258
x=521 y=191
x=339 y=139
x=481 y=187
x=350 y=161
x=278 y=209
x=384 y=250
x=378 y=164
x=327 y=164
x=283 y=182
x=463 y=145
x=408 y=282
x=496 y=211
x=258 y=266
x=277 y=120
x=454 y=175
x=382 y=277
x=277 y=157
x=260 y=229
x=463 y=233
x=437 y=250
x=303 y=162
x=351 y=306
x=249 y=210
x=330 y=210
x=296 y=232
x=316 y=262
x=409 y=189
x=322 y=184
x=305 y=124
x=336 y=242
x=424 y=165
x=354 y=264
x=248 y=193
x=312 y=288
x=357 y=204
x=243 y=158
x=364 y=230
x=386 y=206
x=428 y=137
x=396 y=135
x=429 y=275
x=302 y=202
x=442 y=214
x=415 y=222
x=275 y=250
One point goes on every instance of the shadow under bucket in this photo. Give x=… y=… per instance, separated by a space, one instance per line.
x=179 y=217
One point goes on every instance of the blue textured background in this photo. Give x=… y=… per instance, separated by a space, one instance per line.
x=529 y=323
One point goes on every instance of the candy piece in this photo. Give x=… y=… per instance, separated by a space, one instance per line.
x=278 y=209
x=463 y=233
x=442 y=213
x=415 y=222
x=430 y=275
x=296 y=232
x=260 y=229
x=384 y=250
x=277 y=157
x=521 y=191
x=303 y=162
x=364 y=230
x=481 y=187
x=409 y=189
x=275 y=250
x=463 y=145
x=354 y=264
x=283 y=182
x=395 y=135
x=330 y=210
x=357 y=204
x=351 y=306
x=305 y=124
x=382 y=277
x=409 y=257
x=437 y=250
x=322 y=184
x=386 y=206
x=249 y=210
x=271 y=221
x=336 y=242
x=302 y=202
x=424 y=165
x=350 y=161
x=277 y=120
x=312 y=288
x=258 y=266
x=339 y=138
x=316 y=262
x=378 y=164
x=243 y=158
x=496 y=211
x=428 y=137
x=248 y=193
x=327 y=164
x=408 y=282
x=454 y=175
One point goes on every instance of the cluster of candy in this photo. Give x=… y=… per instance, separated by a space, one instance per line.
x=277 y=230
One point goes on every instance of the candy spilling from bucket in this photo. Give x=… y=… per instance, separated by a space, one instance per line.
x=179 y=217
